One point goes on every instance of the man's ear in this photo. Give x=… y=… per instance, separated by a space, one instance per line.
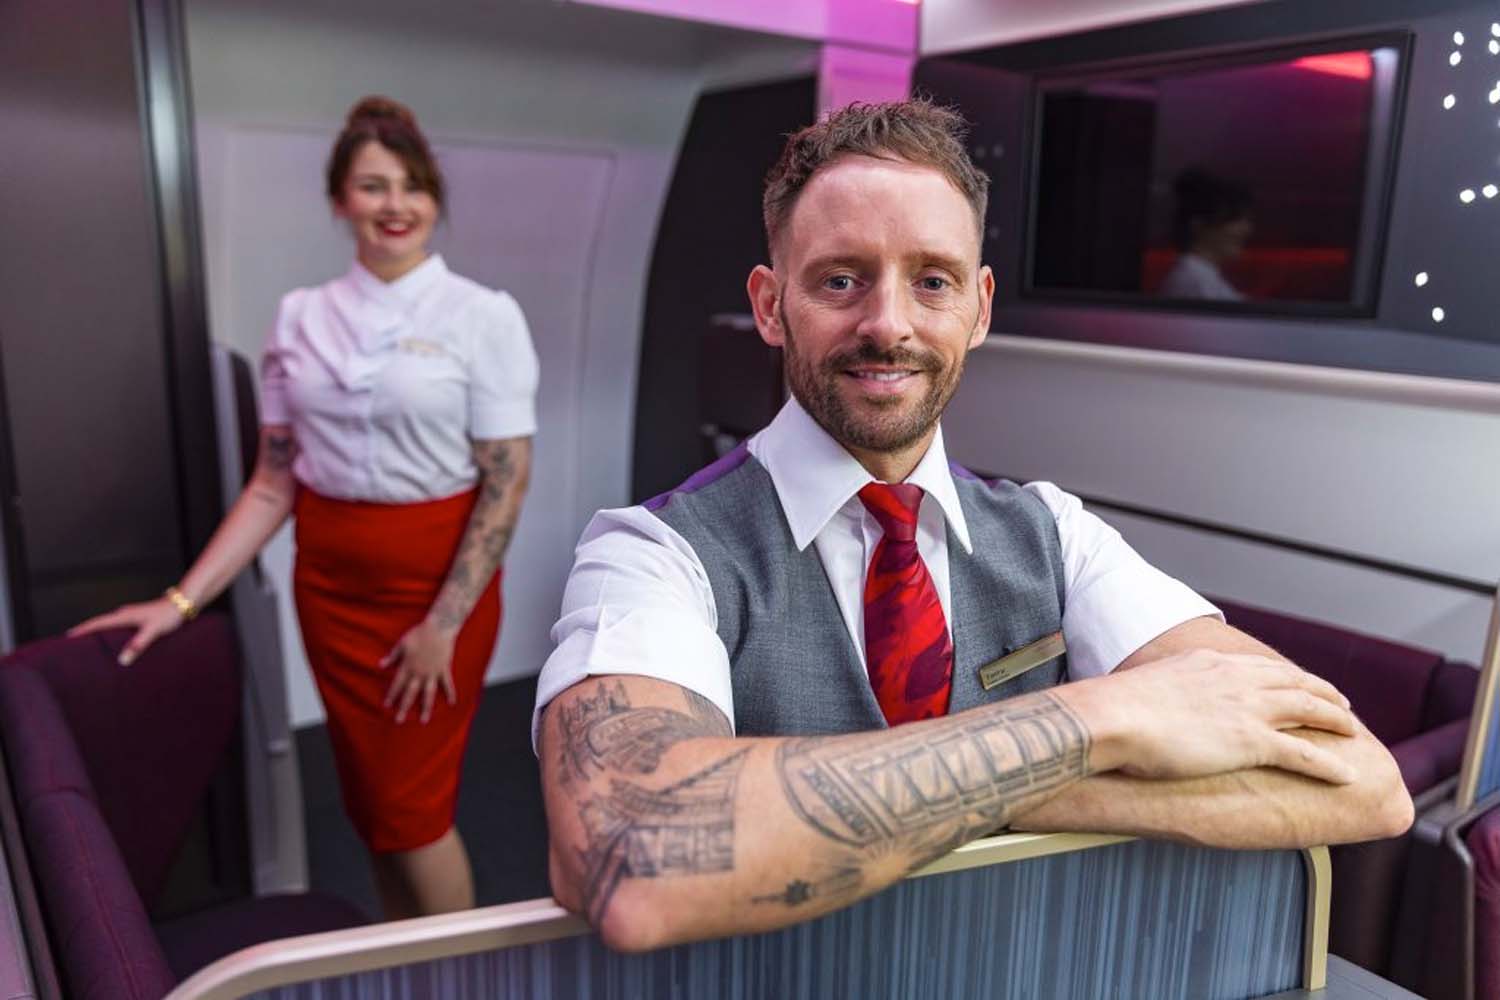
x=765 y=301
x=986 y=301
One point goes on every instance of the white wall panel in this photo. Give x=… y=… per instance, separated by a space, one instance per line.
x=1362 y=464
x=1366 y=600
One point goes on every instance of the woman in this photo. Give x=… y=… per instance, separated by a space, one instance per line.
x=1212 y=223
x=397 y=412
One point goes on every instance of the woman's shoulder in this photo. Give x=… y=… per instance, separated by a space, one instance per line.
x=489 y=305
x=295 y=301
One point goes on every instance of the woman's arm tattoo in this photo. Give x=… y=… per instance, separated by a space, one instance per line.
x=278 y=450
x=504 y=469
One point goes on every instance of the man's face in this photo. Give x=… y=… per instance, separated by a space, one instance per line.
x=878 y=298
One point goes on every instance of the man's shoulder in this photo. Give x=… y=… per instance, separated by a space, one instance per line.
x=999 y=511
x=991 y=489
x=707 y=484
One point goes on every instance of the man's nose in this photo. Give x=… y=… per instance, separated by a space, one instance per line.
x=887 y=317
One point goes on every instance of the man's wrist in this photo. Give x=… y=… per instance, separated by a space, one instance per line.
x=1107 y=724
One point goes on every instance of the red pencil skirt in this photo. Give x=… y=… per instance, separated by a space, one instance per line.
x=365 y=574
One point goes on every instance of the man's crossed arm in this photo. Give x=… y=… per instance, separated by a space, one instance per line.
x=1254 y=808
x=666 y=828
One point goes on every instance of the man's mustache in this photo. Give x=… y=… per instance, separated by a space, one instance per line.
x=892 y=357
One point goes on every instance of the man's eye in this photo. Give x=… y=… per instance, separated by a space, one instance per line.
x=932 y=283
x=840 y=283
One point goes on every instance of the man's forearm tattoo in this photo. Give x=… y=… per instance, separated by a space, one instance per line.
x=840 y=886
x=487 y=536
x=906 y=796
x=686 y=828
x=604 y=732
x=632 y=831
x=939 y=786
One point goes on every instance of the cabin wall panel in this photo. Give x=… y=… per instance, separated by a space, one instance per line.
x=1390 y=480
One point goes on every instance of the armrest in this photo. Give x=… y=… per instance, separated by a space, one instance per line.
x=1428 y=758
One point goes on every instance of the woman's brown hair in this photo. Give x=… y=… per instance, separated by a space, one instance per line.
x=390 y=123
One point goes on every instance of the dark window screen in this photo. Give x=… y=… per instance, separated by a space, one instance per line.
x=1237 y=184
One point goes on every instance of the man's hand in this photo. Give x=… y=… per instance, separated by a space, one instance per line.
x=1205 y=712
x=1268 y=806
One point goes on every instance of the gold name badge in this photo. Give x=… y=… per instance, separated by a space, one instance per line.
x=1012 y=665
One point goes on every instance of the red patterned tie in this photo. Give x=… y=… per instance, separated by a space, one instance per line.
x=907 y=648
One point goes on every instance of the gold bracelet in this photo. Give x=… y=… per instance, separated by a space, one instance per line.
x=182 y=602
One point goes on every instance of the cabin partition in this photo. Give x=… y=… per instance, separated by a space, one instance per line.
x=1020 y=915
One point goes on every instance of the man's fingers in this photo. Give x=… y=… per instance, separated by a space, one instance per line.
x=1318 y=686
x=391 y=657
x=448 y=687
x=429 y=695
x=1290 y=753
x=1293 y=709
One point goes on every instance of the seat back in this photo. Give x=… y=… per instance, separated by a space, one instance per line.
x=1447 y=944
x=1033 y=916
x=148 y=738
x=1483 y=842
x=99 y=931
x=97 y=928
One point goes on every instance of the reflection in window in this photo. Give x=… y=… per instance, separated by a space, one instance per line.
x=1241 y=184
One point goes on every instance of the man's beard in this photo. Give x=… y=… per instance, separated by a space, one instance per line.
x=898 y=424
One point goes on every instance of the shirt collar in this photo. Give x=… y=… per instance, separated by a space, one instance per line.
x=814 y=476
x=406 y=290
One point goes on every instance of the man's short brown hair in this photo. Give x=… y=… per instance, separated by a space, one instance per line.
x=915 y=131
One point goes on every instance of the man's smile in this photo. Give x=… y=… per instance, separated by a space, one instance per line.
x=883 y=381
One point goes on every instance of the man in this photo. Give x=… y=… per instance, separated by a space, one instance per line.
x=765 y=701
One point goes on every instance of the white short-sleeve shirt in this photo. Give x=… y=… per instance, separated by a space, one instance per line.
x=1196 y=277
x=638 y=600
x=386 y=385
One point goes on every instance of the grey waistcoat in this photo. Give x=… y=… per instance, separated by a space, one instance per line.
x=794 y=668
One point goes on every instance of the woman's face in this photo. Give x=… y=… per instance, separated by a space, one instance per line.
x=391 y=218
x=1225 y=241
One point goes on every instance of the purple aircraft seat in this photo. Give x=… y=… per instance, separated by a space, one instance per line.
x=1483 y=841
x=1417 y=704
x=108 y=766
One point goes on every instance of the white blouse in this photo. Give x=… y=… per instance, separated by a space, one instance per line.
x=386 y=385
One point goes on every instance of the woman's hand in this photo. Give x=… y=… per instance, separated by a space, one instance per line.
x=150 y=619
x=424 y=662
